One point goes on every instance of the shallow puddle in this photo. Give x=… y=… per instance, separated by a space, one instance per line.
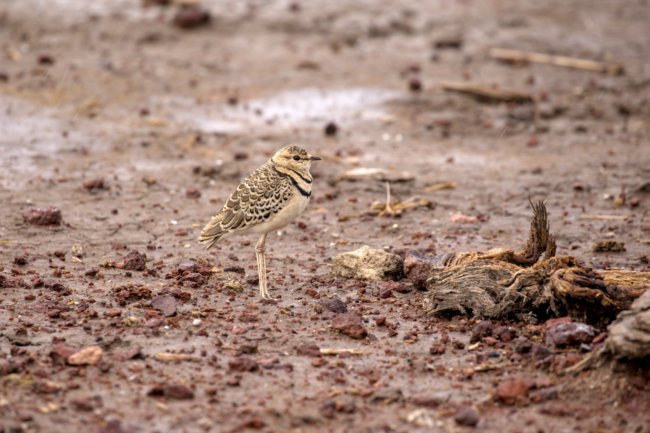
x=303 y=107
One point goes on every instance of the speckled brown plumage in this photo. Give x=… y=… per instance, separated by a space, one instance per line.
x=256 y=200
x=268 y=199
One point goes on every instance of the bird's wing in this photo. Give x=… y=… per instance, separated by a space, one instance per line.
x=261 y=195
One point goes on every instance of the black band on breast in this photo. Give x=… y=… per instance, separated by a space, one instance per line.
x=302 y=191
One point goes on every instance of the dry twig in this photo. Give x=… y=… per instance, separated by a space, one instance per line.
x=516 y=56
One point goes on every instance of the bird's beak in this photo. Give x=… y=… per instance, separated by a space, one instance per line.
x=314 y=158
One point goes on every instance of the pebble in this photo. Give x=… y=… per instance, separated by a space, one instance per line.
x=331 y=129
x=242 y=364
x=191 y=17
x=49 y=216
x=175 y=391
x=166 y=304
x=467 y=416
x=368 y=263
x=95 y=185
x=86 y=356
x=134 y=261
x=350 y=324
x=335 y=305
x=482 y=329
x=309 y=349
x=417 y=268
x=570 y=334
x=513 y=390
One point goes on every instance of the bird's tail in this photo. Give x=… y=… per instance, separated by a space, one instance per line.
x=212 y=232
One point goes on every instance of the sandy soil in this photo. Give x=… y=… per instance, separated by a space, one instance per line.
x=164 y=122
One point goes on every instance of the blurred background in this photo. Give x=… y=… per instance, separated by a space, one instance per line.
x=125 y=124
x=192 y=95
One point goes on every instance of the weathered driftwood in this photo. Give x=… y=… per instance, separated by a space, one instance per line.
x=628 y=342
x=508 y=284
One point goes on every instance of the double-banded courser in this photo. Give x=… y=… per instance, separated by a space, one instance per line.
x=268 y=199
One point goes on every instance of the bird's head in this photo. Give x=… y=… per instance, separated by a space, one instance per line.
x=294 y=158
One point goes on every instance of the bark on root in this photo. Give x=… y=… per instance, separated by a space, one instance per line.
x=509 y=284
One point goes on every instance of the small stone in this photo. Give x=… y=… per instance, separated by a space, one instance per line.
x=331 y=129
x=191 y=16
x=134 y=261
x=437 y=349
x=193 y=193
x=242 y=364
x=166 y=304
x=482 y=329
x=77 y=251
x=467 y=416
x=95 y=185
x=452 y=40
x=415 y=85
x=131 y=321
x=113 y=312
x=174 y=391
x=86 y=356
x=50 y=216
x=570 y=334
x=335 y=305
x=505 y=333
x=248 y=348
x=350 y=324
x=512 y=390
x=368 y=264
x=60 y=353
x=308 y=350
x=417 y=268
x=196 y=322
x=47 y=387
x=56 y=286
x=45 y=59
x=126 y=353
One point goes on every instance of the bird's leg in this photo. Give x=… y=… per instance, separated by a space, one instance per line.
x=260 y=254
x=388 y=209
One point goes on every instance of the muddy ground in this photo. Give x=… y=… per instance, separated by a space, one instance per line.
x=137 y=131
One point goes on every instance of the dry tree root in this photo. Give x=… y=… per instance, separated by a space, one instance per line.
x=508 y=284
x=628 y=343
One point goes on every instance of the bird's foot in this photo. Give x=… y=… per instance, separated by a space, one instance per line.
x=269 y=300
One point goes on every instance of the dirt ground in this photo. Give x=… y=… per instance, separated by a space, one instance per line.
x=137 y=130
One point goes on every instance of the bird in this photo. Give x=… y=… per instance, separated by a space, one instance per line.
x=268 y=199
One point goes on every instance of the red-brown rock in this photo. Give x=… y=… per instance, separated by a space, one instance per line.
x=350 y=324
x=166 y=304
x=513 y=390
x=49 y=216
x=242 y=364
x=134 y=261
x=570 y=334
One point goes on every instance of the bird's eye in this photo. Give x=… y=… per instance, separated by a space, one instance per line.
x=296 y=158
